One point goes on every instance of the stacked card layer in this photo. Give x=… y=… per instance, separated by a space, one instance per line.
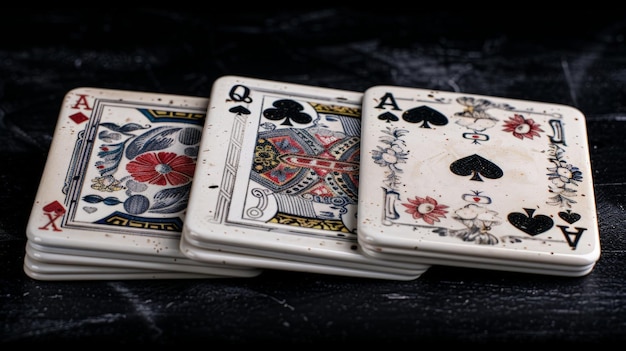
x=276 y=182
x=476 y=181
x=115 y=187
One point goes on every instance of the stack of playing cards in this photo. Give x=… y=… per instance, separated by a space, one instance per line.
x=277 y=180
x=448 y=178
x=476 y=181
x=115 y=187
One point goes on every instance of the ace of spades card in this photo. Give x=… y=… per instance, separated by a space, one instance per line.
x=277 y=181
x=476 y=181
x=115 y=187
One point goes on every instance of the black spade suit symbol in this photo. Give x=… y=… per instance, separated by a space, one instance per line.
x=569 y=216
x=426 y=115
x=476 y=166
x=388 y=117
x=240 y=110
x=529 y=224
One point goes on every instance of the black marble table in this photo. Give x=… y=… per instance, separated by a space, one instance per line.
x=571 y=58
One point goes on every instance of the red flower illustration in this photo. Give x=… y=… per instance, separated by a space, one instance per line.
x=522 y=127
x=162 y=168
x=426 y=208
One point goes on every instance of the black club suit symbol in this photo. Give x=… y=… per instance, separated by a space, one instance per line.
x=288 y=110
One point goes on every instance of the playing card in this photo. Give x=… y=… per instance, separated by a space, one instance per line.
x=118 y=177
x=112 y=276
x=476 y=181
x=52 y=271
x=463 y=260
x=202 y=251
x=108 y=261
x=277 y=178
x=43 y=267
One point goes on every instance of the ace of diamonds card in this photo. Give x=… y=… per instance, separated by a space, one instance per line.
x=464 y=179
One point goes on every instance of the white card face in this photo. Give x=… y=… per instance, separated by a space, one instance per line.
x=477 y=176
x=278 y=171
x=119 y=172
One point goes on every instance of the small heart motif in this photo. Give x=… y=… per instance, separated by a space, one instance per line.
x=55 y=207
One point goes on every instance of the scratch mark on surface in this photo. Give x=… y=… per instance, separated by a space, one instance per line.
x=455 y=87
x=460 y=73
x=396 y=296
x=142 y=308
x=2 y=114
x=283 y=302
x=52 y=328
x=570 y=82
x=23 y=135
x=610 y=117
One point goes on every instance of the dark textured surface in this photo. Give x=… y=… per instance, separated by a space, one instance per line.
x=575 y=58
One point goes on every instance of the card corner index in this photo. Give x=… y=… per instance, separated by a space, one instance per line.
x=223 y=84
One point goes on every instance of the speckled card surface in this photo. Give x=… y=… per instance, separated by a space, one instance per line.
x=471 y=180
x=118 y=176
x=277 y=178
